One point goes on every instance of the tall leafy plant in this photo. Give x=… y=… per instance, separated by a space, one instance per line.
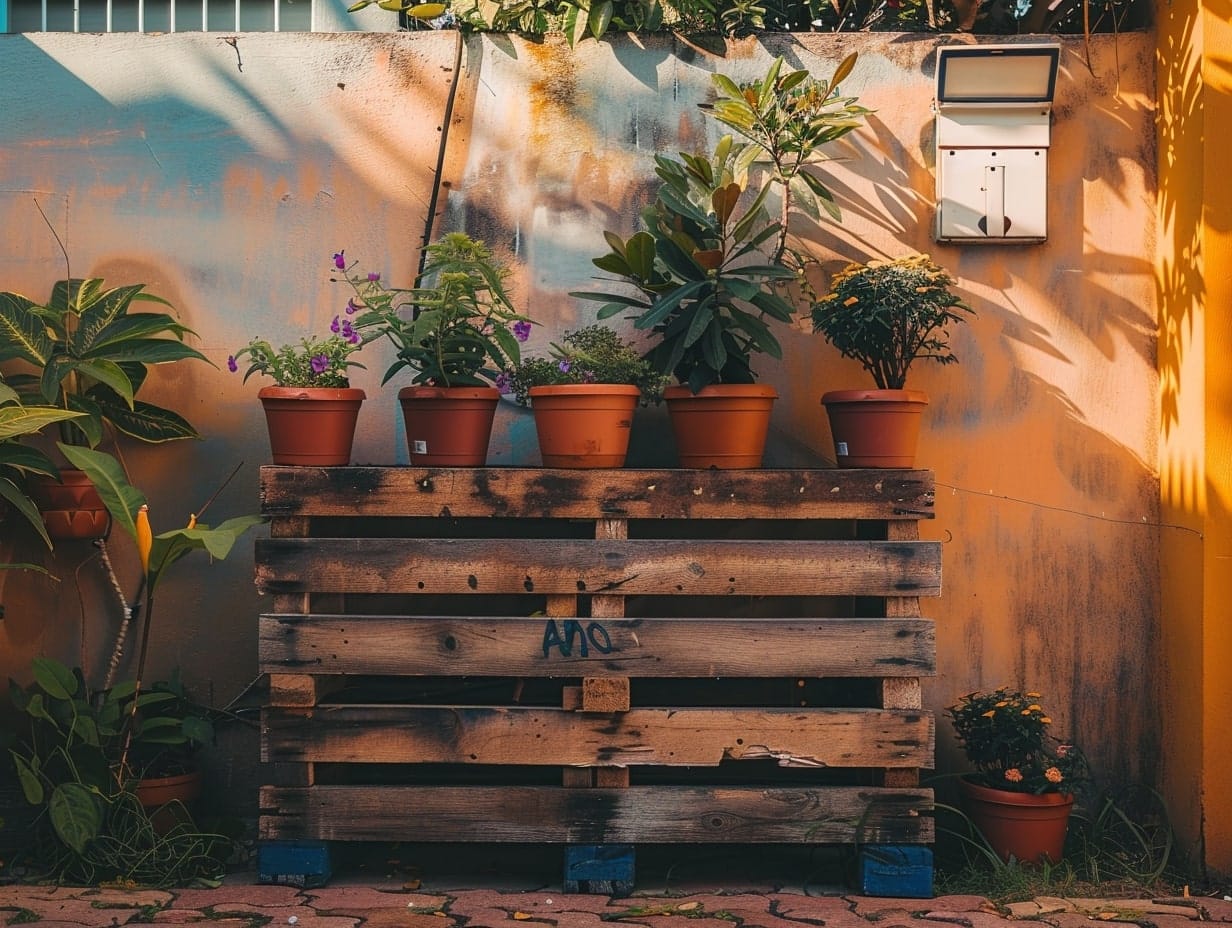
x=712 y=269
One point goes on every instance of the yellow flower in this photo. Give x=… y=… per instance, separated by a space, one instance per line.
x=1014 y=775
x=1045 y=720
x=1033 y=695
x=1034 y=708
x=145 y=537
x=1026 y=711
x=1003 y=703
x=1053 y=775
x=989 y=714
x=851 y=301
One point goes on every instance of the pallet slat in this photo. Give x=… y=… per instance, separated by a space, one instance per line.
x=623 y=494
x=639 y=814
x=642 y=566
x=566 y=646
x=639 y=737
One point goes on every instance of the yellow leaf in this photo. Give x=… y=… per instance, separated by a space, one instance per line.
x=520 y=916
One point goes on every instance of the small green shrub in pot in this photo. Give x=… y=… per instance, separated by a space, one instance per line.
x=594 y=354
x=888 y=314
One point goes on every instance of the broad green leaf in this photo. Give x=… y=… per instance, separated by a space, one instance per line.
x=21 y=503
x=150 y=423
x=118 y=495
x=792 y=80
x=26 y=420
x=76 y=815
x=426 y=11
x=22 y=334
x=600 y=17
x=845 y=68
x=727 y=86
x=27 y=774
x=198 y=729
x=640 y=253
x=169 y=547
x=56 y=680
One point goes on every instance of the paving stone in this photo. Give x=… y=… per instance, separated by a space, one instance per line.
x=880 y=909
x=969 y=919
x=1143 y=906
x=537 y=902
x=1023 y=909
x=252 y=894
x=329 y=898
x=77 y=910
x=133 y=898
x=833 y=911
x=1067 y=919
x=17 y=895
x=402 y=918
x=1055 y=904
x=955 y=904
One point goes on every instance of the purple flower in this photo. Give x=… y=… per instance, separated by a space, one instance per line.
x=347 y=329
x=373 y=277
x=504 y=382
x=353 y=338
x=521 y=331
x=588 y=377
x=320 y=363
x=351 y=308
x=340 y=260
x=334 y=326
x=564 y=365
x=232 y=366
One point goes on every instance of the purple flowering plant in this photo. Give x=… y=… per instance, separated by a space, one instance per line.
x=312 y=362
x=458 y=329
x=594 y=354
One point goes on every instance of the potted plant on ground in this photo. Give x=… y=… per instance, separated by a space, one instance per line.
x=583 y=396
x=457 y=332
x=90 y=354
x=713 y=270
x=885 y=315
x=1022 y=792
x=311 y=410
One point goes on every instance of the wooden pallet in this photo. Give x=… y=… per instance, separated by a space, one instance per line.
x=597 y=657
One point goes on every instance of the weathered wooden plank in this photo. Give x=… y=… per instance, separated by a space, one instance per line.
x=701 y=647
x=624 y=494
x=640 y=566
x=640 y=814
x=547 y=736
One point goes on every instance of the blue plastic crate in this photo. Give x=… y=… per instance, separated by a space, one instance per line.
x=899 y=870
x=304 y=864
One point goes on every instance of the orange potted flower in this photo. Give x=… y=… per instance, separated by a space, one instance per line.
x=1022 y=790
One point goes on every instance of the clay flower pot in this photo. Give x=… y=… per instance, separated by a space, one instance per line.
x=584 y=425
x=875 y=428
x=311 y=426
x=1026 y=826
x=448 y=426
x=71 y=508
x=723 y=426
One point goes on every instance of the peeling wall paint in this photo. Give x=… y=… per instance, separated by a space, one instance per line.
x=227 y=191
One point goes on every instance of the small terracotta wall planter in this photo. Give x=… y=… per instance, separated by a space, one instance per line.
x=448 y=426
x=72 y=509
x=166 y=799
x=723 y=426
x=584 y=425
x=311 y=426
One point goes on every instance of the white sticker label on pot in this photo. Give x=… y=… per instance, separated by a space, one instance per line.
x=421 y=447
x=840 y=448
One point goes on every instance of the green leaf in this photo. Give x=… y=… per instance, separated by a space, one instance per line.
x=150 y=423
x=600 y=17
x=640 y=253
x=76 y=815
x=426 y=11
x=26 y=420
x=169 y=547
x=845 y=68
x=27 y=774
x=118 y=495
x=22 y=334
x=56 y=680
x=21 y=503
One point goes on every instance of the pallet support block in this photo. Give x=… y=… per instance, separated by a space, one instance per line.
x=606 y=869
x=903 y=871
x=305 y=864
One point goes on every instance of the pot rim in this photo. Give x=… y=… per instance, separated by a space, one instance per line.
x=586 y=389
x=311 y=393
x=1014 y=797
x=682 y=391
x=419 y=391
x=874 y=396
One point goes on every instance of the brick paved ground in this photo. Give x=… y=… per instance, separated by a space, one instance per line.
x=349 y=903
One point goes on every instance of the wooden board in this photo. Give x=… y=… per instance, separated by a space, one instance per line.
x=624 y=494
x=538 y=735
x=641 y=566
x=560 y=646
x=641 y=814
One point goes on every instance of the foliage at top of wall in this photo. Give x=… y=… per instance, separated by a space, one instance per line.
x=580 y=20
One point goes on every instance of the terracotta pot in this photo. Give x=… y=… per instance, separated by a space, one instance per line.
x=166 y=799
x=448 y=426
x=71 y=508
x=723 y=426
x=1022 y=825
x=584 y=425
x=875 y=428
x=311 y=426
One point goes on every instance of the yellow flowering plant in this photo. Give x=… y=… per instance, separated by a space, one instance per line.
x=888 y=314
x=1006 y=735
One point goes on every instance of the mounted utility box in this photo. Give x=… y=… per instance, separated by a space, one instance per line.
x=994 y=112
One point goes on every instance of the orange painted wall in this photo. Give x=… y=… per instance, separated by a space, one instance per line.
x=228 y=190
x=1195 y=216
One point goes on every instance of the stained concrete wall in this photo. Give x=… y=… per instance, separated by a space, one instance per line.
x=225 y=178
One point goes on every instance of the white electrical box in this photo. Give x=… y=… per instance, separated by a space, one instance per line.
x=994 y=113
